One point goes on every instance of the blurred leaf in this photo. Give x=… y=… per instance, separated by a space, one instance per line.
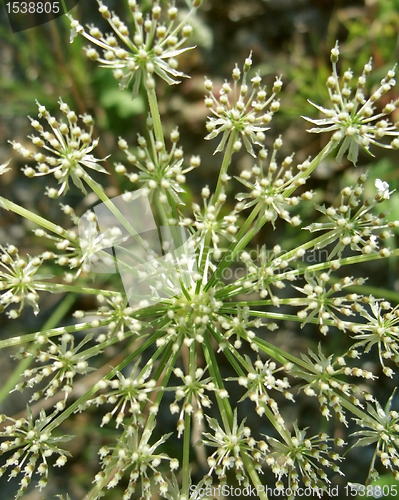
x=122 y=101
x=389 y=488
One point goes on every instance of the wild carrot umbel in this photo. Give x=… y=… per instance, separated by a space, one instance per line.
x=157 y=344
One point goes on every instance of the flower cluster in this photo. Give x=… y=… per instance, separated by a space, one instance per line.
x=190 y=316
x=70 y=145
x=353 y=222
x=298 y=455
x=30 y=440
x=176 y=308
x=268 y=192
x=192 y=392
x=128 y=395
x=259 y=380
x=115 y=313
x=240 y=325
x=159 y=172
x=381 y=427
x=352 y=117
x=241 y=112
x=271 y=267
x=381 y=330
x=322 y=302
x=152 y=48
x=19 y=282
x=323 y=376
x=210 y=223
x=83 y=252
x=233 y=445
x=134 y=454
x=60 y=363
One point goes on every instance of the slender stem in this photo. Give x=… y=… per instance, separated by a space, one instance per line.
x=242 y=240
x=347 y=261
x=186 y=454
x=204 y=255
x=166 y=350
x=330 y=146
x=234 y=289
x=278 y=354
x=283 y=356
x=61 y=287
x=31 y=337
x=166 y=366
x=363 y=416
x=273 y=315
x=156 y=117
x=231 y=353
x=375 y=291
x=219 y=186
x=187 y=434
x=99 y=191
x=228 y=153
x=259 y=487
x=225 y=409
x=24 y=364
x=161 y=210
x=37 y=219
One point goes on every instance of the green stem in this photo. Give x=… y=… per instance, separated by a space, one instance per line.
x=161 y=210
x=226 y=162
x=99 y=191
x=204 y=253
x=363 y=416
x=242 y=240
x=219 y=186
x=234 y=289
x=30 y=337
x=260 y=489
x=278 y=354
x=282 y=357
x=187 y=434
x=156 y=117
x=274 y=315
x=24 y=364
x=347 y=261
x=166 y=364
x=330 y=146
x=37 y=219
x=245 y=458
x=375 y=291
x=186 y=454
x=231 y=353
x=61 y=287
x=225 y=409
